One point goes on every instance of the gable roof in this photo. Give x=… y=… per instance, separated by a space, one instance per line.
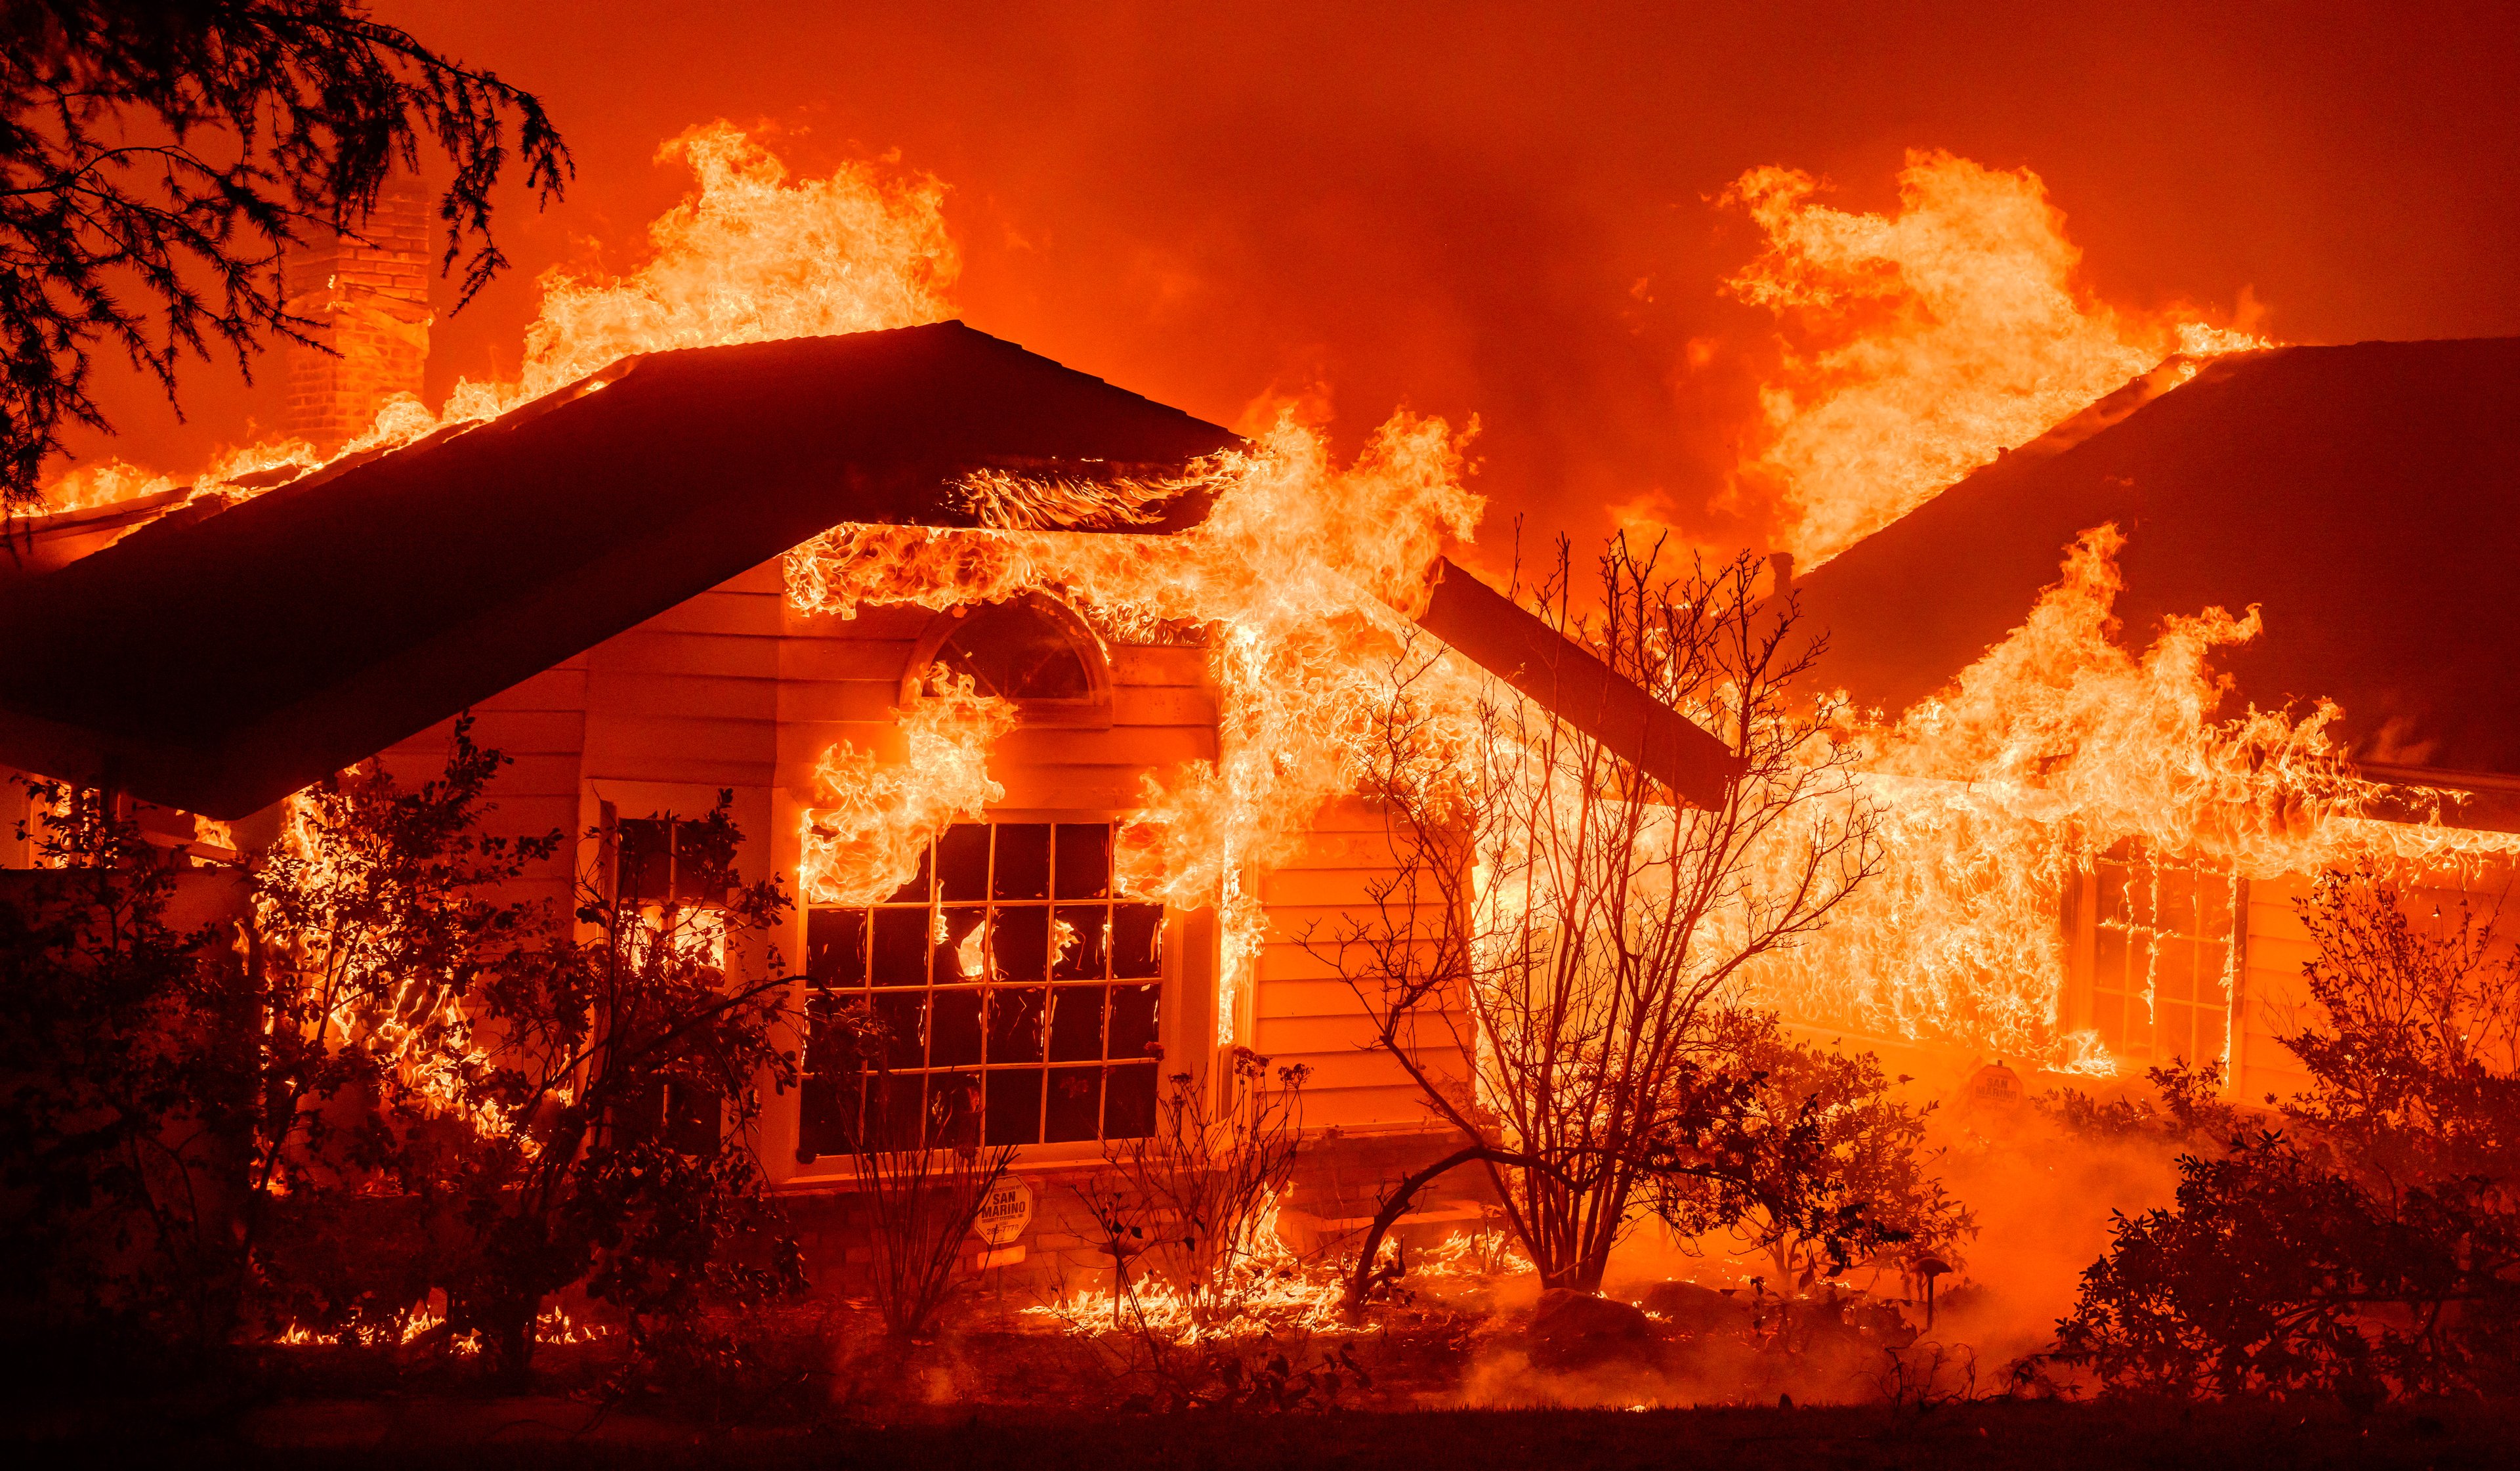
x=2366 y=498
x=216 y=661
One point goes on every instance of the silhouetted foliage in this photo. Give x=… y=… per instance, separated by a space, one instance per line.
x=2273 y=1273
x=2413 y=1040
x=386 y=1082
x=2374 y=1250
x=128 y=1063
x=2187 y=1109
x=1838 y=1176
x=155 y=156
x=923 y=1173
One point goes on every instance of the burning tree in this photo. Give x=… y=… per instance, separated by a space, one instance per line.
x=410 y=1086
x=1559 y=923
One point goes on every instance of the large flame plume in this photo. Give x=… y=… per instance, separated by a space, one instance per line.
x=1925 y=342
x=882 y=814
x=2057 y=745
x=750 y=255
x=1298 y=580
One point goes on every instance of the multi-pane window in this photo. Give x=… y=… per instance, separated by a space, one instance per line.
x=662 y=861
x=1016 y=997
x=2163 y=957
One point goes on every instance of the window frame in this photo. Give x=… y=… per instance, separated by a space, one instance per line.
x=1092 y=711
x=2081 y=922
x=1176 y=1031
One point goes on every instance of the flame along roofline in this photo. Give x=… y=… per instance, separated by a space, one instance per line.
x=2358 y=496
x=218 y=662
x=216 y=658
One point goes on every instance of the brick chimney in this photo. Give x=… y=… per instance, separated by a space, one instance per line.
x=370 y=302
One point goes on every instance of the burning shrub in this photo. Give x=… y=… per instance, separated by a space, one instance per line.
x=517 y=1109
x=1189 y=1213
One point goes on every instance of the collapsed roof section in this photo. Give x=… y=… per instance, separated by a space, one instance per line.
x=218 y=662
x=2361 y=498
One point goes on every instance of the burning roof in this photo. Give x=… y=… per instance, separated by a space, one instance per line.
x=216 y=661
x=2361 y=496
x=217 y=656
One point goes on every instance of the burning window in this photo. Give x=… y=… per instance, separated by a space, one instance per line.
x=2158 y=944
x=1032 y=650
x=1015 y=992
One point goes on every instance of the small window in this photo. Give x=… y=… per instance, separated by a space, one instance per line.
x=2159 y=944
x=663 y=860
x=1018 y=998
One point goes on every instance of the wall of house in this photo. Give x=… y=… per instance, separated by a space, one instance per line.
x=2274 y=997
x=1303 y=1009
x=739 y=691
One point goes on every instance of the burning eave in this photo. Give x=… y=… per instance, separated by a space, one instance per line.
x=1501 y=636
x=219 y=664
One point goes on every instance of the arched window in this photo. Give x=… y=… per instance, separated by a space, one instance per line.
x=1031 y=649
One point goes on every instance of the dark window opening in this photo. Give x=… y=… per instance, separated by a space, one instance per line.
x=1018 y=650
x=682 y=1117
x=1016 y=999
x=664 y=860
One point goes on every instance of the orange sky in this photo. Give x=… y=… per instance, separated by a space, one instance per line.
x=1505 y=209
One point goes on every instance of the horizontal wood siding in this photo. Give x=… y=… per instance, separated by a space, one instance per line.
x=1304 y=1012
x=2275 y=1000
x=540 y=726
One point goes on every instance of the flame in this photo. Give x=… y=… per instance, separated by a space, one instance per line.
x=2053 y=746
x=1273 y=1290
x=1928 y=341
x=883 y=814
x=553 y=1325
x=751 y=254
x=1299 y=574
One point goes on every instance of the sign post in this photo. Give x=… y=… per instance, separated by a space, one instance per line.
x=1003 y=1213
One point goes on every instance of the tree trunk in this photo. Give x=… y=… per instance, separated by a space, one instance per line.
x=508 y=1343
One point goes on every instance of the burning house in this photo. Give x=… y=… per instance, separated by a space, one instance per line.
x=2311 y=540
x=942 y=615
x=1044 y=701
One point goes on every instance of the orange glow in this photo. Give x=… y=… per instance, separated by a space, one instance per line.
x=749 y=256
x=2056 y=745
x=1923 y=343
